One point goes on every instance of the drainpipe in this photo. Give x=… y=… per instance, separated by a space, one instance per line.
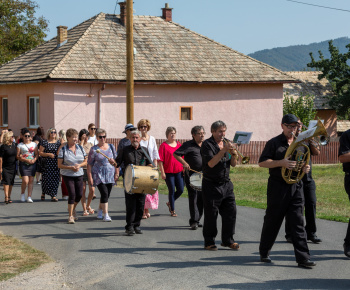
x=99 y=104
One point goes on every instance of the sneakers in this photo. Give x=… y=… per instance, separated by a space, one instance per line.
x=38 y=182
x=107 y=218
x=71 y=220
x=29 y=199
x=23 y=197
x=138 y=230
x=130 y=232
x=100 y=214
x=65 y=197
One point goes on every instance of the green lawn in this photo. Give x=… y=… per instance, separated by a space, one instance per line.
x=250 y=189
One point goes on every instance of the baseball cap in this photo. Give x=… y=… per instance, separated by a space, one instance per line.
x=289 y=119
x=129 y=127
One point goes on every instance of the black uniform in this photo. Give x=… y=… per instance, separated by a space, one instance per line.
x=282 y=200
x=344 y=148
x=309 y=189
x=135 y=203
x=218 y=196
x=190 y=150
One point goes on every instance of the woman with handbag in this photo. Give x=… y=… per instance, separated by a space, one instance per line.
x=144 y=125
x=27 y=154
x=51 y=173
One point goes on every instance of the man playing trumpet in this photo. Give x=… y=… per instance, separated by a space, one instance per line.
x=283 y=199
x=217 y=188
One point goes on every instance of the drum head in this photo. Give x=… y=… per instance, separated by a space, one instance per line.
x=129 y=178
x=196 y=180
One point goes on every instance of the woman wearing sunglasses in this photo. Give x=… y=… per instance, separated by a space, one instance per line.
x=27 y=154
x=92 y=134
x=101 y=171
x=51 y=173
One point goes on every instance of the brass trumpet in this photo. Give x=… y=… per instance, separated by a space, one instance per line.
x=245 y=159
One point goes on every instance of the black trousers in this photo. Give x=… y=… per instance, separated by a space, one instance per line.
x=195 y=202
x=309 y=188
x=347 y=189
x=218 y=199
x=284 y=200
x=135 y=204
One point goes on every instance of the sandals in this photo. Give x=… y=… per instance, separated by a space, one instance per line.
x=85 y=213
x=54 y=199
x=93 y=197
x=233 y=246
x=211 y=248
x=90 y=210
x=6 y=200
x=173 y=213
x=148 y=215
x=144 y=216
x=43 y=197
x=10 y=201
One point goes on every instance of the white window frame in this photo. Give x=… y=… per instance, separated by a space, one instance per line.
x=36 y=112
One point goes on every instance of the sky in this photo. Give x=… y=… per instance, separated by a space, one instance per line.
x=244 y=25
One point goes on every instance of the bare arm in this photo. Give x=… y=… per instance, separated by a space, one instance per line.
x=161 y=168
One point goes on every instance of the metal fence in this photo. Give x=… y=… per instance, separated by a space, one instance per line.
x=329 y=153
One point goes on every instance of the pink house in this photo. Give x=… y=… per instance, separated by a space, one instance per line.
x=182 y=79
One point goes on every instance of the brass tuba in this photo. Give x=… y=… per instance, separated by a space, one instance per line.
x=296 y=174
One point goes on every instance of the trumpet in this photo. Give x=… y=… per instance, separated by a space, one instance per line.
x=245 y=159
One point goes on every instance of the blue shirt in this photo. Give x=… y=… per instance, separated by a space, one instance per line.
x=70 y=159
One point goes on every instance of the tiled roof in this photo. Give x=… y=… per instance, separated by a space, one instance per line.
x=310 y=85
x=343 y=125
x=166 y=52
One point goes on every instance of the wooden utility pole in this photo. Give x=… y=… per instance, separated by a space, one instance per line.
x=130 y=63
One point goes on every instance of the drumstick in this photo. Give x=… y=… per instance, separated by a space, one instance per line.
x=196 y=171
x=99 y=151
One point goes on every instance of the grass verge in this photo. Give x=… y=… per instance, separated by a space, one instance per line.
x=17 y=257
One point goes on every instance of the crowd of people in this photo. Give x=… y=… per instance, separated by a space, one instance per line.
x=84 y=160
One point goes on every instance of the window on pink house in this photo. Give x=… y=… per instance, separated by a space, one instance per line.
x=33 y=112
x=186 y=113
x=4 y=111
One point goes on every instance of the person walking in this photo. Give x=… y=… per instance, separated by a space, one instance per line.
x=51 y=173
x=27 y=154
x=171 y=169
x=8 y=153
x=71 y=160
x=38 y=138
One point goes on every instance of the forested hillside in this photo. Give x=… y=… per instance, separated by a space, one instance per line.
x=295 y=58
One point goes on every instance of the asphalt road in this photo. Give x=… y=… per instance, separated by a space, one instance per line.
x=98 y=255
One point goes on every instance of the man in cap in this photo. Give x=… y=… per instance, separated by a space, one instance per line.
x=125 y=142
x=283 y=199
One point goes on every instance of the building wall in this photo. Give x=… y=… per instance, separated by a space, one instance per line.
x=17 y=104
x=330 y=121
x=255 y=108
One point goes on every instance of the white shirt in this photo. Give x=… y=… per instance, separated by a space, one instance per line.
x=151 y=146
x=93 y=140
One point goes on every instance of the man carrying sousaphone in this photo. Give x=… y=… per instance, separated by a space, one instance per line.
x=284 y=199
x=192 y=163
x=135 y=203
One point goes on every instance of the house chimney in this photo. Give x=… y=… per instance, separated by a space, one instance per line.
x=62 y=35
x=123 y=13
x=167 y=13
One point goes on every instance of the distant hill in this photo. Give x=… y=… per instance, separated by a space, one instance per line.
x=295 y=57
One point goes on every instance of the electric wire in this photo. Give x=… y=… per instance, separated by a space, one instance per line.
x=344 y=10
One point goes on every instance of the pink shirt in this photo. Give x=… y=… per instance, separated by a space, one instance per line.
x=170 y=164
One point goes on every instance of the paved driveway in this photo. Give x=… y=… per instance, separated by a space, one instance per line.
x=97 y=255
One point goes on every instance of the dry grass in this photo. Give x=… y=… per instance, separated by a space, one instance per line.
x=17 y=257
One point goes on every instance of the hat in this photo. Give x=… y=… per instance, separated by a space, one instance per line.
x=289 y=119
x=129 y=127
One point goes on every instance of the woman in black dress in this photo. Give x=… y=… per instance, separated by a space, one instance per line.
x=51 y=173
x=8 y=152
x=38 y=138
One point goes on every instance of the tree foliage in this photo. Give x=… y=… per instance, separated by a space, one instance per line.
x=302 y=107
x=337 y=70
x=20 y=30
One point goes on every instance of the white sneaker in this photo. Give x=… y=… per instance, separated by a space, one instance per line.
x=23 y=197
x=65 y=197
x=100 y=214
x=29 y=199
x=107 y=218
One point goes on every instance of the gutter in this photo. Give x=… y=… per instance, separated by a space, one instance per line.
x=99 y=104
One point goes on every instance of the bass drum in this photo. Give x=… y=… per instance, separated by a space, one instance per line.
x=141 y=179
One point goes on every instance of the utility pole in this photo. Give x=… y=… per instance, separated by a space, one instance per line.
x=130 y=62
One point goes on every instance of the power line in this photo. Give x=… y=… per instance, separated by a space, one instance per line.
x=344 y=10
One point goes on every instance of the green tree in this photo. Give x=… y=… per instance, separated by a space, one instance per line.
x=337 y=71
x=20 y=30
x=302 y=107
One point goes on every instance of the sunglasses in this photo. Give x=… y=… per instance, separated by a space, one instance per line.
x=100 y=137
x=93 y=128
x=141 y=127
x=290 y=126
x=27 y=136
x=53 y=132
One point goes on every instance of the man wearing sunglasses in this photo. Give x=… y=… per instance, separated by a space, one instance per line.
x=283 y=199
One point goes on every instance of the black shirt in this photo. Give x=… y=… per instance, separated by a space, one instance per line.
x=39 y=139
x=8 y=154
x=220 y=173
x=275 y=149
x=191 y=152
x=130 y=155
x=344 y=147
